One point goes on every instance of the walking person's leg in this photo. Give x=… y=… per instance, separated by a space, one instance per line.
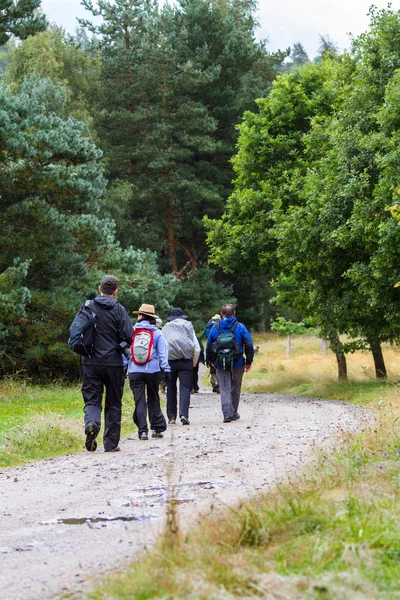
x=237 y=376
x=172 y=393
x=195 y=380
x=156 y=417
x=114 y=380
x=185 y=375
x=137 y=385
x=92 y=393
x=225 y=388
x=214 y=380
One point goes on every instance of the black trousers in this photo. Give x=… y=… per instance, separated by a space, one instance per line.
x=195 y=379
x=140 y=382
x=95 y=379
x=181 y=369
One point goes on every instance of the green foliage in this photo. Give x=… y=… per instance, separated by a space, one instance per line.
x=20 y=18
x=284 y=327
x=176 y=80
x=297 y=58
x=270 y=162
x=315 y=173
x=50 y=55
x=201 y=296
x=54 y=248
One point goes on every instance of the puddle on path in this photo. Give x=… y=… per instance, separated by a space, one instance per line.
x=176 y=493
x=89 y=520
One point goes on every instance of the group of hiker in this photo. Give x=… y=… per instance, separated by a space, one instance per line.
x=111 y=347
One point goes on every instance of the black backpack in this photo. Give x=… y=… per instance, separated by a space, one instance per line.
x=226 y=348
x=83 y=330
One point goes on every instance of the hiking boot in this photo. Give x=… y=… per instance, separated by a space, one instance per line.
x=215 y=389
x=116 y=449
x=184 y=420
x=228 y=419
x=171 y=422
x=235 y=416
x=143 y=435
x=91 y=435
x=156 y=434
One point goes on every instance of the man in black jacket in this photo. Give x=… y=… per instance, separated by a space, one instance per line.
x=104 y=368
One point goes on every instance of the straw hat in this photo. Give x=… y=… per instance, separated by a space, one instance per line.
x=146 y=309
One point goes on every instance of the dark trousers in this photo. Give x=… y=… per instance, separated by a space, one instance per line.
x=140 y=382
x=181 y=369
x=95 y=379
x=195 y=378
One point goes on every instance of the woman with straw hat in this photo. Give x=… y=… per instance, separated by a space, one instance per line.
x=148 y=356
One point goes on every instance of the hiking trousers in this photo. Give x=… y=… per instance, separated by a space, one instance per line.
x=140 y=383
x=181 y=369
x=230 y=385
x=94 y=380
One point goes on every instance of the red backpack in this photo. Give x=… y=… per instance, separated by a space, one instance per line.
x=142 y=347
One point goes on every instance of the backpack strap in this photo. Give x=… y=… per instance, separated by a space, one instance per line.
x=119 y=315
x=232 y=329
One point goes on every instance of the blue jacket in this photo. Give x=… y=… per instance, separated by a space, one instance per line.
x=159 y=360
x=242 y=337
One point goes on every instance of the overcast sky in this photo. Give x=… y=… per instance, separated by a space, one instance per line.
x=282 y=22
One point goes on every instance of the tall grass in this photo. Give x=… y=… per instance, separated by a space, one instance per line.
x=310 y=372
x=331 y=532
x=43 y=421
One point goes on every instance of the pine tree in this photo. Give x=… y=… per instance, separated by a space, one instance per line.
x=176 y=82
x=54 y=247
x=20 y=18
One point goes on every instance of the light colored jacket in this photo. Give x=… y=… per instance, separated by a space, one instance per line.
x=181 y=340
x=160 y=356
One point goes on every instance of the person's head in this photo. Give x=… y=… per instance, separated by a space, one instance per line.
x=159 y=322
x=227 y=311
x=176 y=313
x=146 y=312
x=108 y=286
x=216 y=318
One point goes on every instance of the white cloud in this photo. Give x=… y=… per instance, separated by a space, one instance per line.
x=289 y=21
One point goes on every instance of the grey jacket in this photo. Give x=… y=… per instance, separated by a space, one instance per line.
x=181 y=340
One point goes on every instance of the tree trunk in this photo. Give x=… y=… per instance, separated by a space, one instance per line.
x=380 y=368
x=171 y=237
x=289 y=345
x=261 y=311
x=170 y=215
x=337 y=347
x=342 y=364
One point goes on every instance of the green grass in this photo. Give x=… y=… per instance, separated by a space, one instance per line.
x=43 y=421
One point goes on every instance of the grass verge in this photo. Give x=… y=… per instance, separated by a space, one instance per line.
x=39 y=422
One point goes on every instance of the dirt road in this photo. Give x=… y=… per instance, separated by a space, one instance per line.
x=68 y=521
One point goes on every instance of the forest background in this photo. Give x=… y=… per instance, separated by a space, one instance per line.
x=169 y=147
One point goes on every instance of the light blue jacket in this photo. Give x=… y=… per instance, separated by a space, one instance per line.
x=159 y=360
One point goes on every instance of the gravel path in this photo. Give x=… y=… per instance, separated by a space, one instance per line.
x=67 y=521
